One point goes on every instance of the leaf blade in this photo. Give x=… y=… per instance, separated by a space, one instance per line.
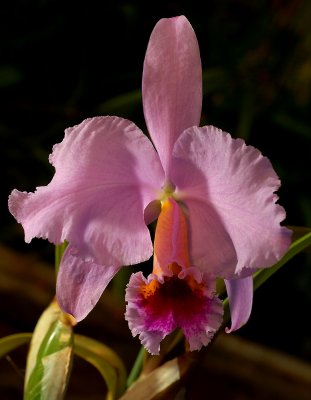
x=105 y=360
x=11 y=342
x=50 y=357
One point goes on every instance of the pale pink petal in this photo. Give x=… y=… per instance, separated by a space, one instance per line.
x=106 y=174
x=172 y=84
x=174 y=304
x=240 y=294
x=211 y=247
x=236 y=184
x=80 y=283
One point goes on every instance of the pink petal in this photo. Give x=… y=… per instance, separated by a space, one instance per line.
x=106 y=173
x=211 y=248
x=80 y=283
x=236 y=184
x=172 y=84
x=240 y=294
x=174 y=304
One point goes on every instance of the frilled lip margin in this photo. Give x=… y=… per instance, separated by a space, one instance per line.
x=158 y=305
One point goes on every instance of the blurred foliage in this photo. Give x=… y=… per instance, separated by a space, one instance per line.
x=64 y=61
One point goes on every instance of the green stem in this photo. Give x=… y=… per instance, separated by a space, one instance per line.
x=137 y=367
x=262 y=275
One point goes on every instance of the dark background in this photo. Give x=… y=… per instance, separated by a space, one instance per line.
x=61 y=62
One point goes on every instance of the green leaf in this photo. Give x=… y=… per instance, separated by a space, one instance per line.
x=150 y=386
x=293 y=124
x=122 y=104
x=9 y=343
x=105 y=360
x=50 y=356
x=296 y=247
x=214 y=79
x=263 y=274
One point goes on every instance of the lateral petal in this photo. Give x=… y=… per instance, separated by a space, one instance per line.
x=172 y=84
x=107 y=172
x=237 y=184
x=80 y=283
x=211 y=247
x=240 y=294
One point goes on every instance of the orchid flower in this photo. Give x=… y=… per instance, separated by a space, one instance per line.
x=214 y=196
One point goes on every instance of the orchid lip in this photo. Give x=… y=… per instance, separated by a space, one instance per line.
x=156 y=307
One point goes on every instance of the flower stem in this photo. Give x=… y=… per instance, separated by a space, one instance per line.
x=137 y=367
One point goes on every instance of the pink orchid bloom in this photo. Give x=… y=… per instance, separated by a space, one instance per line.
x=218 y=211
